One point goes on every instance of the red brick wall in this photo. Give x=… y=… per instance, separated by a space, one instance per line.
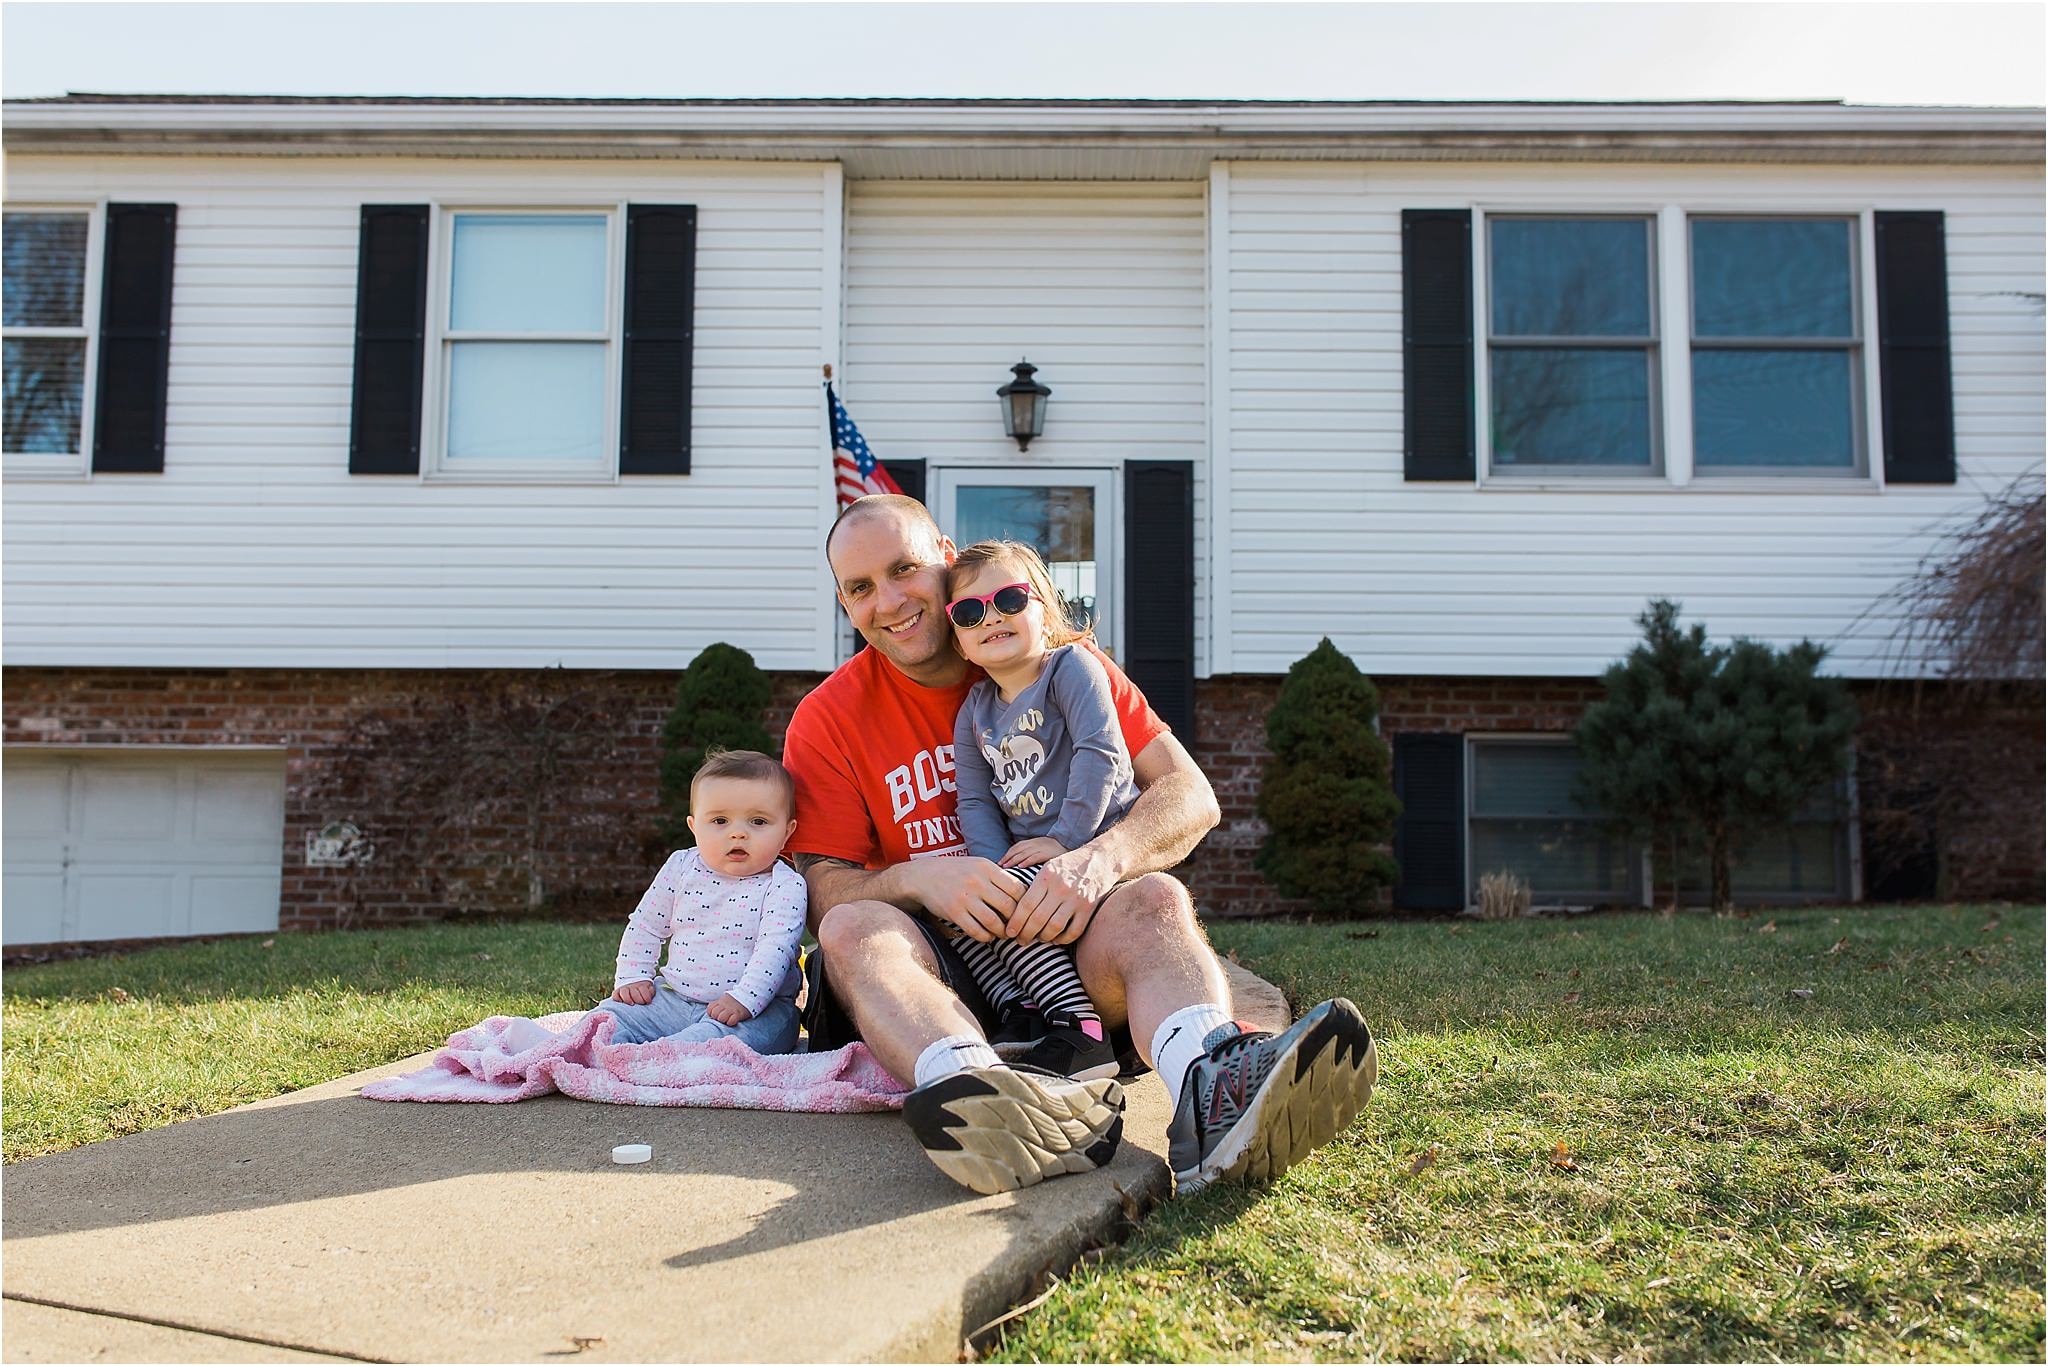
x=1230 y=721
x=310 y=712
x=1992 y=846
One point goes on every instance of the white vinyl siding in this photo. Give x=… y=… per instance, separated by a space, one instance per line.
x=1327 y=539
x=1102 y=287
x=255 y=546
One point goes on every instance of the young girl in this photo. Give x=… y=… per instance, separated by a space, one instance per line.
x=1041 y=768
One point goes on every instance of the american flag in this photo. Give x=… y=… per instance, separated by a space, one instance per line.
x=854 y=467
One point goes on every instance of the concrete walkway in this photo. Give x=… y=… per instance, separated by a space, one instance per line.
x=318 y=1225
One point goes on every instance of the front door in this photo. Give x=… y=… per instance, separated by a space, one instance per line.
x=1068 y=516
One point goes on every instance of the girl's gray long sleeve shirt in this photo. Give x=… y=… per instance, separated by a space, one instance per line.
x=1051 y=762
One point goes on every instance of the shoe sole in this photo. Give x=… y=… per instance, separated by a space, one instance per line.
x=996 y=1129
x=1317 y=1087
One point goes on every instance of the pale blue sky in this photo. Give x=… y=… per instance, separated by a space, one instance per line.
x=1952 y=53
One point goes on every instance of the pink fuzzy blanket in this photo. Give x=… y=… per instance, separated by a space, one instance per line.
x=510 y=1058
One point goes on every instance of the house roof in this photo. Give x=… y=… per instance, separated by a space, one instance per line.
x=1025 y=138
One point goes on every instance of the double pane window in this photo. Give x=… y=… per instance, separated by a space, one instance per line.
x=1524 y=821
x=1772 y=374
x=1775 y=345
x=46 y=335
x=528 y=339
x=1572 y=343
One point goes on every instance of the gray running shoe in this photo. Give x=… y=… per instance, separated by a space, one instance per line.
x=997 y=1128
x=1258 y=1103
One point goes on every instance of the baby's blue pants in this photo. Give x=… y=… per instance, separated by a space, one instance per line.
x=672 y=1015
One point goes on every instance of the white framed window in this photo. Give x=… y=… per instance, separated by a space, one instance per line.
x=51 y=303
x=524 y=328
x=1777 y=346
x=1571 y=328
x=1674 y=345
x=1522 y=819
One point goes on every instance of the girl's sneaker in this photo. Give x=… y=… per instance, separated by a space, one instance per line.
x=1072 y=1051
x=1018 y=1033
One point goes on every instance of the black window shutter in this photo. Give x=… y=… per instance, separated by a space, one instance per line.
x=391 y=340
x=1436 y=343
x=135 y=339
x=1912 y=349
x=1429 y=837
x=1159 y=598
x=661 y=301
x=909 y=476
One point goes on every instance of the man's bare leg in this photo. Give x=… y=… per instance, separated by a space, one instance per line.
x=884 y=973
x=1258 y=1103
x=1145 y=956
x=991 y=1128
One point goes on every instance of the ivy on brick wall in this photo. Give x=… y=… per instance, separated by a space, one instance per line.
x=510 y=795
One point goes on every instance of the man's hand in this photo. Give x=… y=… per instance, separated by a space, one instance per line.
x=1024 y=853
x=1057 y=906
x=728 y=1011
x=634 y=993
x=971 y=893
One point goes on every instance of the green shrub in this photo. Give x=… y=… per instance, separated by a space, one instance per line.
x=1327 y=795
x=1699 y=747
x=720 y=702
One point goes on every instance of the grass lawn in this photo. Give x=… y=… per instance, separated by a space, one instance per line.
x=1852 y=1172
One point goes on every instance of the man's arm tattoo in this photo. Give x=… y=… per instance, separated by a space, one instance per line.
x=806 y=862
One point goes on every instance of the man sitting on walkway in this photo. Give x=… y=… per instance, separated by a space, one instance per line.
x=879 y=844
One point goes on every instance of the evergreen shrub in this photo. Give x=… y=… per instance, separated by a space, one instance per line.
x=1327 y=794
x=1700 y=748
x=721 y=700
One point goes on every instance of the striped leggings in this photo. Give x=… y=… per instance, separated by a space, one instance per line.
x=1009 y=971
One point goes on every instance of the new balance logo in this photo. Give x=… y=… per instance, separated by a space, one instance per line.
x=1229 y=1088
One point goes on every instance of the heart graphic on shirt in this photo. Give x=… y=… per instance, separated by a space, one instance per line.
x=1015 y=764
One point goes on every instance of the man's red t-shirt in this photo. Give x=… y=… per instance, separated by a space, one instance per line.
x=872 y=755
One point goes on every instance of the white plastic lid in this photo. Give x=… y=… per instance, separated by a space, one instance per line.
x=628 y=1153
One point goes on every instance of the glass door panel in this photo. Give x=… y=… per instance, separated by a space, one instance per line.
x=1066 y=515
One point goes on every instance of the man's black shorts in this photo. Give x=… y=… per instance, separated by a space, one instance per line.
x=830 y=1025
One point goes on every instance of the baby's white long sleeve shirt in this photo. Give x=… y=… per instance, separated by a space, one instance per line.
x=724 y=935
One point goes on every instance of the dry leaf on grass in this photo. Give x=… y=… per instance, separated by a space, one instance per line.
x=1838 y=946
x=1561 y=1157
x=1424 y=1160
x=1800 y=994
x=115 y=993
x=1232 y=955
x=268 y=944
x=1571 y=998
x=1768 y=927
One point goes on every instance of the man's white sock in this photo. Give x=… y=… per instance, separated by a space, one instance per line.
x=1178 y=1042
x=954 y=1053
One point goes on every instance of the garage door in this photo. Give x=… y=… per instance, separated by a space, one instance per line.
x=134 y=846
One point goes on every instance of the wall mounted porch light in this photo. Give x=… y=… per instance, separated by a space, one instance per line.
x=1023 y=400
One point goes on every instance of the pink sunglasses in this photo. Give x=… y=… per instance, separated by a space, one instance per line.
x=1010 y=599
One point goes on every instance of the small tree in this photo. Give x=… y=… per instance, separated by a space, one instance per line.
x=1699 y=746
x=720 y=701
x=1327 y=796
